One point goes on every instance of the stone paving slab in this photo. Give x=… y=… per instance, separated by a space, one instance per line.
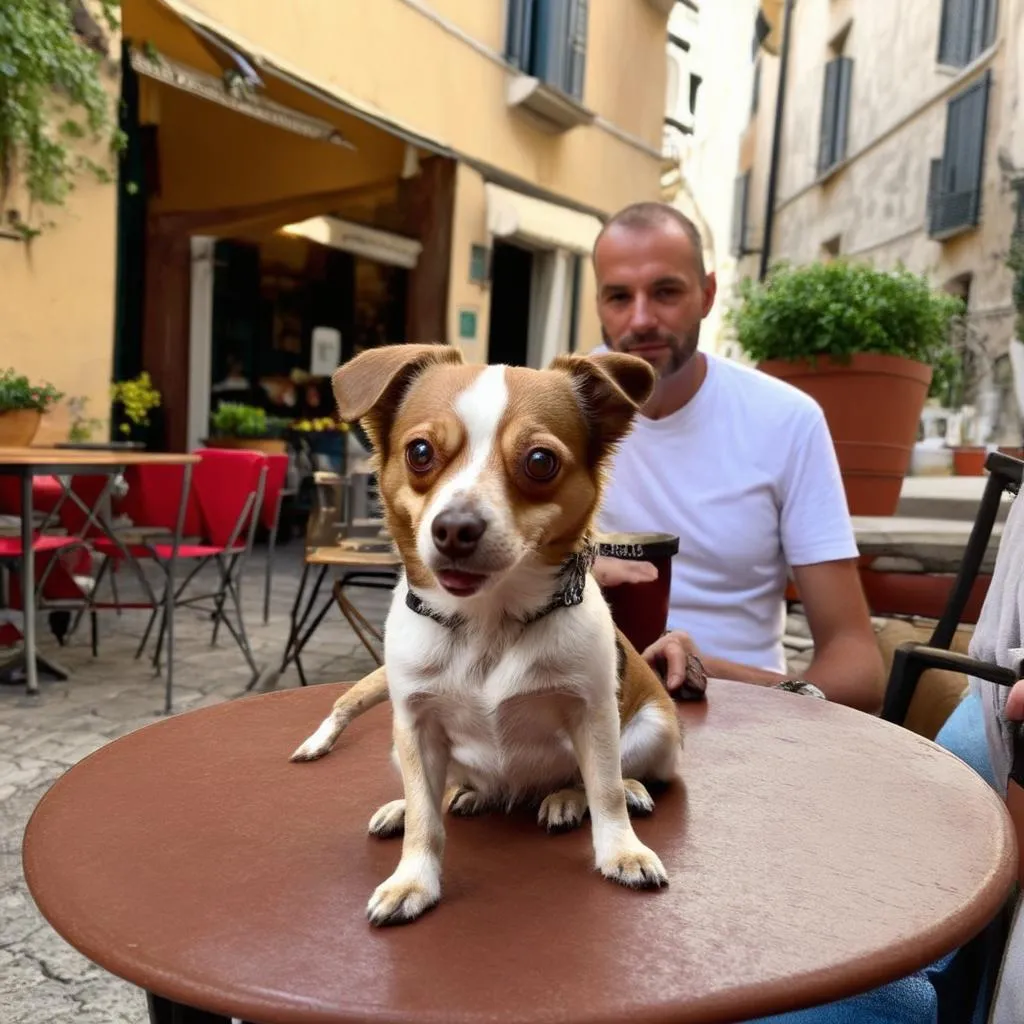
x=42 y=979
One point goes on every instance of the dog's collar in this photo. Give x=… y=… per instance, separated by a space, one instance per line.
x=572 y=577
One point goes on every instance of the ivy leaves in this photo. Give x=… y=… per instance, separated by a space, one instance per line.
x=51 y=95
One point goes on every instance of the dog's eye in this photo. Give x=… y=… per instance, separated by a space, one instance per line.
x=420 y=455
x=540 y=464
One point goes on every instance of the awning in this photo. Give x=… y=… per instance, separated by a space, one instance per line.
x=267 y=63
x=241 y=99
x=515 y=215
x=374 y=244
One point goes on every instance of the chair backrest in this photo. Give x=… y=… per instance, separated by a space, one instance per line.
x=228 y=484
x=155 y=497
x=1005 y=474
x=277 y=473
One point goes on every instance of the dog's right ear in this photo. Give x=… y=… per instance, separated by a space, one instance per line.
x=370 y=387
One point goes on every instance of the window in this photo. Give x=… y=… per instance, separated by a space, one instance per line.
x=954 y=186
x=547 y=39
x=755 y=93
x=831 y=248
x=740 y=213
x=835 y=113
x=968 y=29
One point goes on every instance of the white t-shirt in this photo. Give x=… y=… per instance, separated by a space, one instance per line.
x=746 y=476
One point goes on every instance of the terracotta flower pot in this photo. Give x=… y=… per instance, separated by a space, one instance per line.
x=18 y=427
x=873 y=406
x=969 y=460
x=267 y=445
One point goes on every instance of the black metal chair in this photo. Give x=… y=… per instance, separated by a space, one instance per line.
x=968 y=983
x=912 y=659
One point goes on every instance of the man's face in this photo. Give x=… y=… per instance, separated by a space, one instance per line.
x=650 y=296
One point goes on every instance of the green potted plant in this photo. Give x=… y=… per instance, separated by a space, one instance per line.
x=235 y=425
x=865 y=344
x=22 y=405
x=132 y=403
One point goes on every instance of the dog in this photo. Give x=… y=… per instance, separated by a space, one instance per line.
x=508 y=679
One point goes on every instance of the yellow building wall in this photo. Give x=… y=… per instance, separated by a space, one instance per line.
x=57 y=305
x=399 y=61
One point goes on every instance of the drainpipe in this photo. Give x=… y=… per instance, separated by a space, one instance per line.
x=773 y=171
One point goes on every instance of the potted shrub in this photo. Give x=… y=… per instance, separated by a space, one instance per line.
x=22 y=405
x=864 y=343
x=235 y=425
x=132 y=401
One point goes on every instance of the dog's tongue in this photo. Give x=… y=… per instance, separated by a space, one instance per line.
x=453 y=579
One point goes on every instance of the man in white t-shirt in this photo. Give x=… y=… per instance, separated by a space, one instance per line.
x=740 y=466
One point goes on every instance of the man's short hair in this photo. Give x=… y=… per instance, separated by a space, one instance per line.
x=647 y=215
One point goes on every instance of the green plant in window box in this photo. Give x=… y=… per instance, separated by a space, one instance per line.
x=22 y=405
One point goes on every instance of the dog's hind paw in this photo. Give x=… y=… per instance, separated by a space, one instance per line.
x=389 y=820
x=464 y=802
x=638 y=801
x=320 y=743
x=635 y=866
x=563 y=810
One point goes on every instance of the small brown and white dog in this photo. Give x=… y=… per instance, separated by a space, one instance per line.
x=508 y=679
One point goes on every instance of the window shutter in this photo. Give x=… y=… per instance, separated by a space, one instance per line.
x=518 y=31
x=955 y=32
x=988 y=22
x=577 y=48
x=843 y=89
x=963 y=159
x=550 y=41
x=828 y=116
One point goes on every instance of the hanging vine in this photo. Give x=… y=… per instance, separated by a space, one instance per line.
x=53 y=106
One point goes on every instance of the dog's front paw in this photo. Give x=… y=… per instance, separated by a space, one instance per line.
x=635 y=866
x=638 y=800
x=403 y=898
x=389 y=820
x=563 y=810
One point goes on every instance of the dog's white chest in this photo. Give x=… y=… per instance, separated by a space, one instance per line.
x=520 y=745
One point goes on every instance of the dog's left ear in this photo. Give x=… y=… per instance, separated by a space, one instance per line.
x=611 y=389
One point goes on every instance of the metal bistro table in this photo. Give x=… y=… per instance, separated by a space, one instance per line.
x=27 y=463
x=813 y=852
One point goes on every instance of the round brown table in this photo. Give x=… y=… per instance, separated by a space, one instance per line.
x=815 y=852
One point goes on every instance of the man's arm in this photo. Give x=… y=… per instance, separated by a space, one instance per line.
x=847 y=664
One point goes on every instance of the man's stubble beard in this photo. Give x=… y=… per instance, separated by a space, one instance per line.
x=682 y=350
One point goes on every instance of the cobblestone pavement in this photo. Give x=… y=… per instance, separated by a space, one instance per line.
x=42 y=979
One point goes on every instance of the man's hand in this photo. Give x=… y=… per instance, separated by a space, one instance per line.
x=1015 y=703
x=610 y=572
x=676 y=659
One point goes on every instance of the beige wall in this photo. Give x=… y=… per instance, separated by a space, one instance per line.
x=422 y=71
x=877 y=200
x=469 y=228
x=57 y=304
x=57 y=295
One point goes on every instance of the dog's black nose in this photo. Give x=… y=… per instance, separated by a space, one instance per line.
x=457 y=533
